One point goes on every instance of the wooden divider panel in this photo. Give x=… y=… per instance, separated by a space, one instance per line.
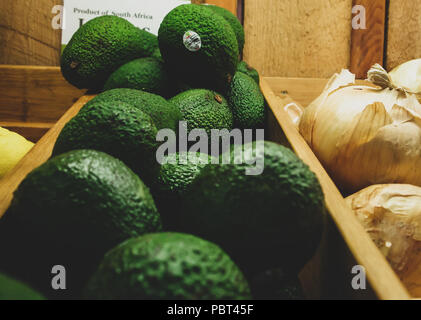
x=292 y=38
x=404 y=36
x=26 y=33
x=368 y=35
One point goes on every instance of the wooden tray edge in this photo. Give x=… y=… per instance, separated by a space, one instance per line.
x=381 y=276
x=40 y=153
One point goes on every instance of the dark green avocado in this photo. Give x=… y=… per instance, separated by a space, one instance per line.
x=204 y=109
x=199 y=46
x=167 y=266
x=235 y=24
x=164 y=114
x=70 y=211
x=276 y=285
x=115 y=128
x=157 y=55
x=248 y=70
x=99 y=47
x=11 y=289
x=247 y=102
x=266 y=212
x=146 y=74
x=177 y=172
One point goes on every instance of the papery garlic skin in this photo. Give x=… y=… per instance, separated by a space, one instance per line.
x=391 y=214
x=408 y=76
x=365 y=135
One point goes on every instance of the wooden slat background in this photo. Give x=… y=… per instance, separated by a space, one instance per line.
x=231 y=5
x=32 y=98
x=404 y=40
x=26 y=33
x=292 y=38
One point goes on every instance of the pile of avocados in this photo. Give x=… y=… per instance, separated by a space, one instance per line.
x=126 y=224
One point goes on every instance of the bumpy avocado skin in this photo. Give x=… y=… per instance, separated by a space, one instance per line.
x=247 y=102
x=167 y=266
x=204 y=109
x=115 y=128
x=146 y=74
x=11 y=289
x=157 y=55
x=235 y=24
x=164 y=114
x=276 y=285
x=100 y=46
x=248 y=70
x=264 y=221
x=214 y=64
x=70 y=211
x=177 y=172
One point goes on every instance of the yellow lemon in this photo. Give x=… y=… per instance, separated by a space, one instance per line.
x=13 y=148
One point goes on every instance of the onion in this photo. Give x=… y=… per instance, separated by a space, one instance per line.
x=408 y=76
x=365 y=134
x=391 y=214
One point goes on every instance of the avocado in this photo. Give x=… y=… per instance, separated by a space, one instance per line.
x=70 y=211
x=235 y=24
x=11 y=289
x=99 y=47
x=204 y=109
x=167 y=266
x=248 y=70
x=176 y=173
x=276 y=285
x=199 y=46
x=247 y=102
x=164 y=114
x=146 y=74
x=179 y=86
x=157 y=55
x=115 y=128
x=269 y=216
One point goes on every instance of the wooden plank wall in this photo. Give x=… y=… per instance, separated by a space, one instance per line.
x=404 y=40
x=26 y=33
x=292 y=38
x=310 y=38
x=231 y=5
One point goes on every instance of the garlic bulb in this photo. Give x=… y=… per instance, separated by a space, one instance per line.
x=408 y=76
x=365 y=134
x=391 y=214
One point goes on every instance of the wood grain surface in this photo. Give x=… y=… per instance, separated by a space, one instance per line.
x=283 y=38
x=367 y=45
x=33 y=131
x=34 y=94
x=40 y=153
x=26 y=33
x=292 y=38
x=381 y=276
x=404 y=35
x=231 y=5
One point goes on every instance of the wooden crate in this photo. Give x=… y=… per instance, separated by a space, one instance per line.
x=33 y=98
x=288 y=38
x=345 y=243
